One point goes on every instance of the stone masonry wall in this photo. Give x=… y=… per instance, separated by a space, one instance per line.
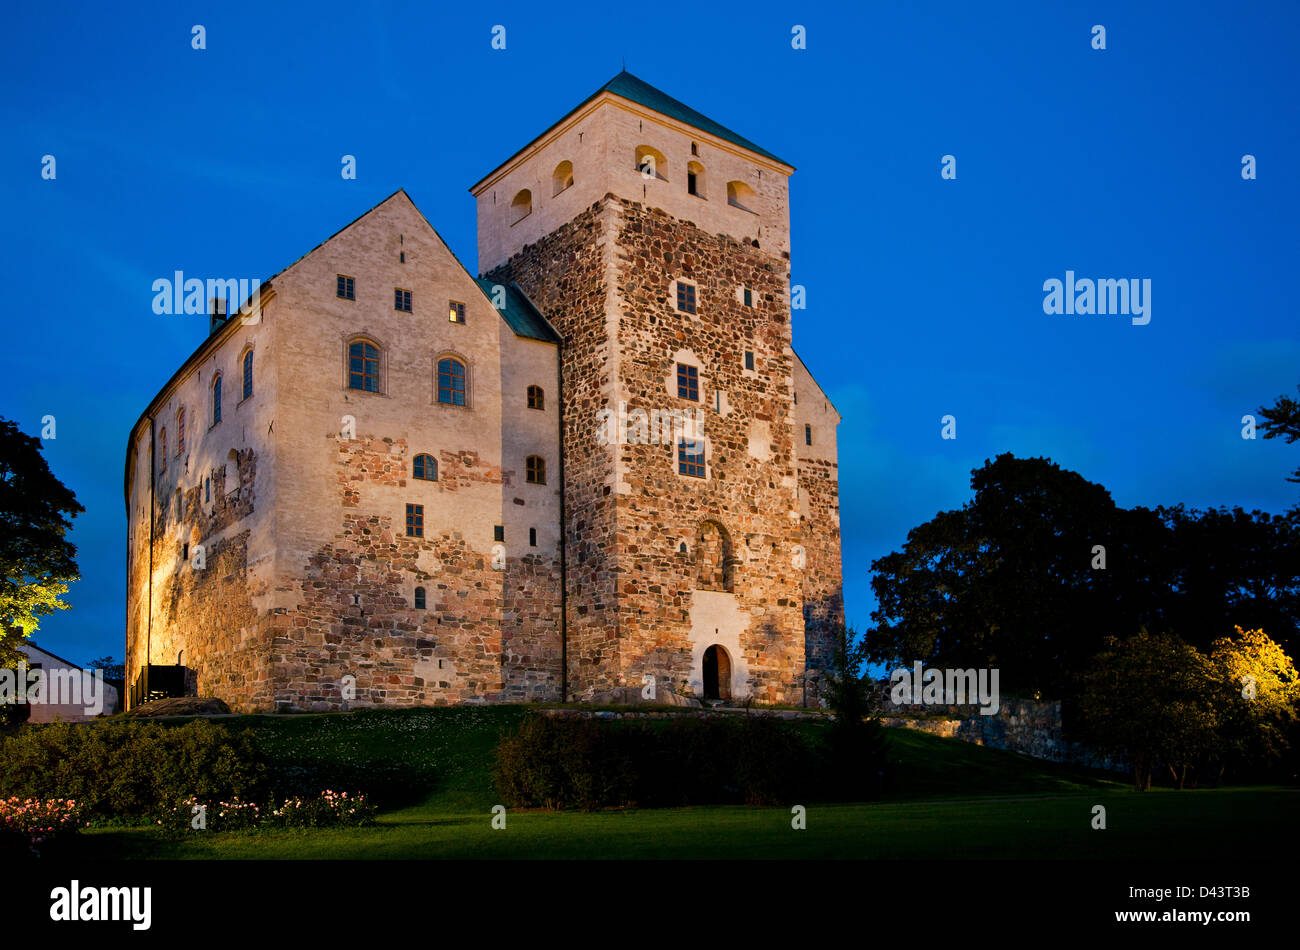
x=749 y=488
x=564 y=274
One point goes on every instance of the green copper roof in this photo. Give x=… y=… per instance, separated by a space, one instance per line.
x=639 y=91
x=519 y=312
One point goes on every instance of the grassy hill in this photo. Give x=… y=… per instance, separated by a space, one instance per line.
x=432 y=769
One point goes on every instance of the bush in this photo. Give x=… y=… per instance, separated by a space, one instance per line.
x=130 y=772
x=329 y=810
x=27 y=825
x=572 y=762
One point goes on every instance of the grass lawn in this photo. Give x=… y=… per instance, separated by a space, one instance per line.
x=949 y=800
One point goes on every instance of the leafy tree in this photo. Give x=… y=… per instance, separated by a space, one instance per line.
x=37 y=562
x=113 y=670
x=1260 y=698
x=1223 y=568
x=1154 y=700
x=1282 y=421
x=1009 y=579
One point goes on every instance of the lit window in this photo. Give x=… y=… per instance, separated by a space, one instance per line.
x=535 y=470
x=650 y=162
x=521 y=207
x=688 y=382
x=415 y=521
x=451 y=382
x=685 y=297
x=562 y=177
x=347 y=288
x=425 y=467
x=690 y=457
x=740 y=195
x=401 y=300
x=536 y=398
x=456 y=312
x=363 y=366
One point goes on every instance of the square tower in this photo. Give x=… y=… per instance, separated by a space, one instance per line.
x=656 y=241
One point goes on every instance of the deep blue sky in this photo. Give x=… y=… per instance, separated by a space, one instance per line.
x=925 y=295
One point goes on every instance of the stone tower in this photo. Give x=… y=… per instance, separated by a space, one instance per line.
x=657 y=243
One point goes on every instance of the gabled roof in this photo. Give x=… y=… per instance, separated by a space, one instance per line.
x=640 y=91
x=523 y=318
x=519 y=312
x=629 y=87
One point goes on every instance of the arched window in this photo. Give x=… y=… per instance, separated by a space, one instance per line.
x=363 y=366
x=562 y=177
x=536 y=398
x=162 y=442
x=207 y=489
x=650 y=162
x=695 y=179
x=521 y=207
x=535 y=470
x=248 y=374
x=216 y=399
x=712 y=557
x=180 y=432
x=451 y=382
x=426 y=467
x=740 y=195
x=419 y=598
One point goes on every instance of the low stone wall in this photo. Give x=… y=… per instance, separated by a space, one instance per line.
x=1029 y=726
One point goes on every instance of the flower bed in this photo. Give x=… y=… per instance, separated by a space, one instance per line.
x=29 y=824
x=330 y=809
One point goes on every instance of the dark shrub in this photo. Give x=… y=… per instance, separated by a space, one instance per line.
x=130 y=771
x=575 y=762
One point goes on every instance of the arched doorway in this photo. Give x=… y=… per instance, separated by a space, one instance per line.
x=717 y=673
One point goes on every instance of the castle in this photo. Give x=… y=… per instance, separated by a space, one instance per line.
x=597 y=465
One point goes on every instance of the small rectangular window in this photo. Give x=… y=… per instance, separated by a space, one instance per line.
x=688 y=382
x=807 y=435
x=499 y=532
x=401 y=300
x=685 y=297
x=415 y=521
x=690 y=457
x=749 y=297
x=749 y=359
x=532 y=537
x=456 y=312
x=347 y=288
x=690 y=184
